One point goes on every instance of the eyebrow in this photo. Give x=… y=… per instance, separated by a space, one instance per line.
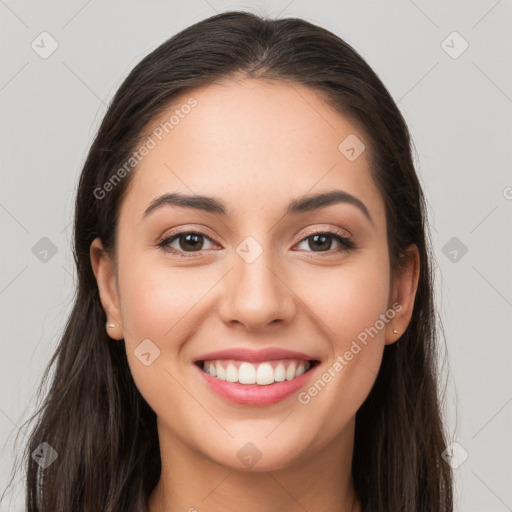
x=296 y=206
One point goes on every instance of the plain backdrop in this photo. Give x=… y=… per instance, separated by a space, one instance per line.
x=448 y=66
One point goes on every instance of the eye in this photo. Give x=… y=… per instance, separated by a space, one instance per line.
x=323 y=240
x=187 y=241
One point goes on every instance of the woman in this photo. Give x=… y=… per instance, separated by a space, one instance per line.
x=254 y=326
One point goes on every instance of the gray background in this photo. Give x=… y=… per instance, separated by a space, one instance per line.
x=459 y=113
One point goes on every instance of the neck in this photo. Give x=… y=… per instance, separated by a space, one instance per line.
x=318 y=481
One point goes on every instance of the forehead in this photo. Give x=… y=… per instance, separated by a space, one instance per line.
x=256 y=144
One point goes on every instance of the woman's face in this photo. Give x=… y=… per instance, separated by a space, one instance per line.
x=255 y=276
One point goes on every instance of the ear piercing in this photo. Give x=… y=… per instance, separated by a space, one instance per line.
x=395 y=331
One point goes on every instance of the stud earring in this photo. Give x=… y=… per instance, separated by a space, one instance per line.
x=395 y=331
x=108 y=326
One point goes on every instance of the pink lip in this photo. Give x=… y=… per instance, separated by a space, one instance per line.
x=254 y=394
x=254 y=356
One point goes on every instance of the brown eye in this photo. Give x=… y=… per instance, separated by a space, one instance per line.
x=186 y=241
x=320 y=242
x=323 y=241
x=191 y=241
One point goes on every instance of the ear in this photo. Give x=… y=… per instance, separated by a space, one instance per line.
x=403 y=293
x=104 y=271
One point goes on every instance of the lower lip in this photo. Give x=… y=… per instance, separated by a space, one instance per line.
x=252 y=394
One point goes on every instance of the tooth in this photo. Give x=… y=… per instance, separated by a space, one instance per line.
x=246 y=373
x=231 y=373
x=262 y=374
x=221 y=373
x=265 y=374
x=279 y=373
x=290 y=371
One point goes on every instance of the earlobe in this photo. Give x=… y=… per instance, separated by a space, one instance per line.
x=104 y=271
x=403 y=295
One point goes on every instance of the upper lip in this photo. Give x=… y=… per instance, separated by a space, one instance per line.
x=254 y=356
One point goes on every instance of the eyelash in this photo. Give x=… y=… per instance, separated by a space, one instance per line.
x=346 y=242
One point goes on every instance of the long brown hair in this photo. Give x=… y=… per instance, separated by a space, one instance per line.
x=93 y=415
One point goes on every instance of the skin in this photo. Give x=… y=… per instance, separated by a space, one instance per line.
x=256 y=145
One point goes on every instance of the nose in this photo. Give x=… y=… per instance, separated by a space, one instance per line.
x=257 y=296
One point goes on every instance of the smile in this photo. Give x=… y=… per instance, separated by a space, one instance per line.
x=261 y=374
x=255 y=384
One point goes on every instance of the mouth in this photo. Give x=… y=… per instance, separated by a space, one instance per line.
x=265 y=373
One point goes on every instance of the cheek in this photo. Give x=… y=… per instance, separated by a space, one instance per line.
x=160 y=304
x=349 y=304
x=155 y=298
x=348 y=299
x=154 y=306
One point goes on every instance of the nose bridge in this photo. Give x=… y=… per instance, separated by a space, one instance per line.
x=256 y=294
